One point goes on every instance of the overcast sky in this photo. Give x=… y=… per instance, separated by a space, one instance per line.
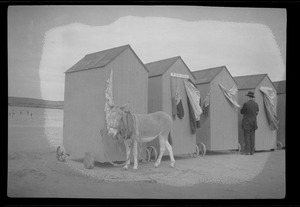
x=45 y=41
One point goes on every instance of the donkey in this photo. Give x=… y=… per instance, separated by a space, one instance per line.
x=145 y=128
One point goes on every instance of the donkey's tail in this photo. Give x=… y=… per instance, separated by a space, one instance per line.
x=170 y=139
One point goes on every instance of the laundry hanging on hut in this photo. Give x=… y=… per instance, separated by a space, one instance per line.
x=109 y=99
x=269 y=97
x=230 y=94
x=177 y=107
x=193 y=123
x=206 y=103
x=193 y=99
x=180 y=111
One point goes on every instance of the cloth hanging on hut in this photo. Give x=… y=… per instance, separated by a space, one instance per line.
x=180 y=111
x=206 y=100
x=177 y=107
x=194 y=97
x=269 y=97
x=109 y=99
x=193 y=100
x=230 y=94
x=193 y=123
x=206 y=103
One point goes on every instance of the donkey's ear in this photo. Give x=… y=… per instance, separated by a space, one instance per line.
x=125 y=107
x=111 y=106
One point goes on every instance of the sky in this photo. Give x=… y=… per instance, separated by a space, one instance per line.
x=45 y=41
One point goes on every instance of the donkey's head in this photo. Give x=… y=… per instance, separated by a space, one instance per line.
x=114 y=119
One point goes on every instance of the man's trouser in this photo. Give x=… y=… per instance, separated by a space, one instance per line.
x=249 y=135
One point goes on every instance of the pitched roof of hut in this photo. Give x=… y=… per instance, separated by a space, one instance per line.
x=250 y=81
x=159 y=67
x=207 y=75
x=280 y=86
x=100 y=59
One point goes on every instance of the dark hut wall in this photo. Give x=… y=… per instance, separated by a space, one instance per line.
x=265 y=138
x=281 y=99
x=184 y=141
x=224 y=116
x=203 y=133
x=219 y=130
x=83 y=109
x=84 y=115
x=160 y=99
x=130 y=85
x=242 y=98
x=155 y=94
x=130 y=82
x=281 y=108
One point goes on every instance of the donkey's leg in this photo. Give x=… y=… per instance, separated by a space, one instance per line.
x=170 y=150
x=162 y=145
x=135 y=152
x=127 y=146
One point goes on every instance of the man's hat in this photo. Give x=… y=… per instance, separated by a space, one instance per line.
x=250 y=94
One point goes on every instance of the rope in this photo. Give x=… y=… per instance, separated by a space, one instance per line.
x=115 y=164
x=125 y=138
x=127 y=132
x=106 y=156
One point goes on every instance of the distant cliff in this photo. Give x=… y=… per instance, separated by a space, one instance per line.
x=32 y=102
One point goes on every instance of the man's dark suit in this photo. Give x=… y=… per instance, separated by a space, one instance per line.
x=249 y=124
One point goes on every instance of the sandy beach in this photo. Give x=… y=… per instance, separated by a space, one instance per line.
x=33 y=170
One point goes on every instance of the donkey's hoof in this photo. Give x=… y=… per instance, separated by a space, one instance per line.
x=172 y=165
x=135 y=169
x=125 y=168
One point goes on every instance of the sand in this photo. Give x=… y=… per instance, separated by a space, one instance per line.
x=33 y=170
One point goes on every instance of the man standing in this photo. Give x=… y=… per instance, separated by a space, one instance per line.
x=249 y=124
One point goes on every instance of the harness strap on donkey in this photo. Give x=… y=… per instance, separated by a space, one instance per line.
x=125 y=131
